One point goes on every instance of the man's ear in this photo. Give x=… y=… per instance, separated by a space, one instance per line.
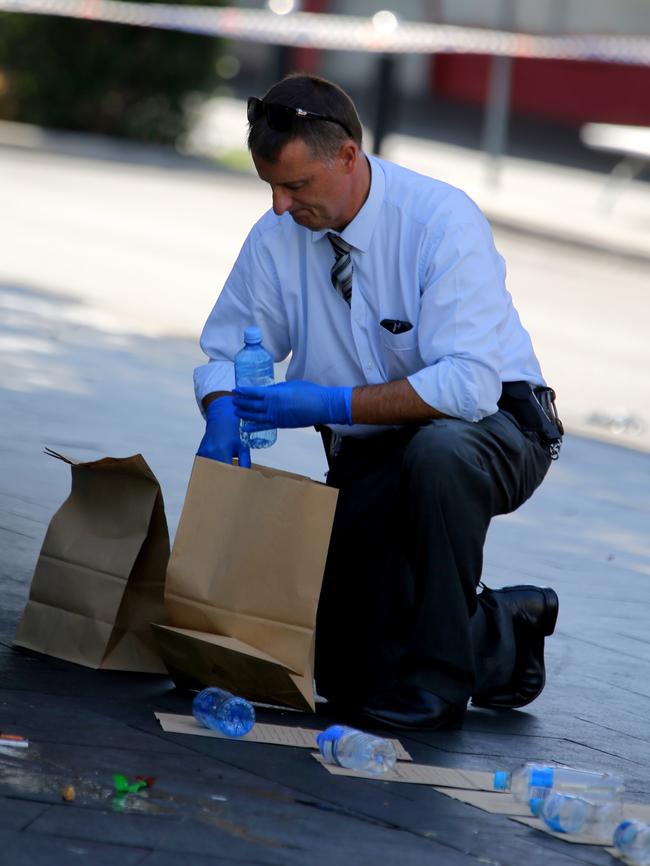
x=348 y=155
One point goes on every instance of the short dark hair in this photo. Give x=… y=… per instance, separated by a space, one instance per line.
x=323 y=137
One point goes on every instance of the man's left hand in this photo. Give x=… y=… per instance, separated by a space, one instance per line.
x=292 y=404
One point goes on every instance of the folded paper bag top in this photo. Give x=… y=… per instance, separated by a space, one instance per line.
x=99 y=579
x=244 y=579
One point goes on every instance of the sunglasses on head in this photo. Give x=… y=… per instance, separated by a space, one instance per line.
x=280 y=117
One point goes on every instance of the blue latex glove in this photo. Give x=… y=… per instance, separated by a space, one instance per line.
x=221 y=439
x=292 y=404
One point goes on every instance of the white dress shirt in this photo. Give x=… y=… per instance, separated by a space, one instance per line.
x=422 y=254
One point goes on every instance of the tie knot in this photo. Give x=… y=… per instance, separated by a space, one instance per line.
x=341 y=247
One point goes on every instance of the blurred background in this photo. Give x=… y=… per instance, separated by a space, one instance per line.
x=127 y=191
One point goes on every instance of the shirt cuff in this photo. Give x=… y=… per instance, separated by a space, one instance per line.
x=213 y=376
x=456 y=392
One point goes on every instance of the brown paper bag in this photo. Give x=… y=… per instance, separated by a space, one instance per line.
x=243 y=582
x=99 y=579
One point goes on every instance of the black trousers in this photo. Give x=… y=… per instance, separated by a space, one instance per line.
x=399 y=599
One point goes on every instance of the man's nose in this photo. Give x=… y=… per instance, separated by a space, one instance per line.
x=281 y=201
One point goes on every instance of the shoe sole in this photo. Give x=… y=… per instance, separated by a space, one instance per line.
x=487 y=703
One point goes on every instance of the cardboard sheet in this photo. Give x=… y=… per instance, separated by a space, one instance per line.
x=495 y=802
x=638 y=811
x=538 y=824
x=279 y=735
x=421 y=774
x=499 y=803
x=475 y=789
x=502 y=803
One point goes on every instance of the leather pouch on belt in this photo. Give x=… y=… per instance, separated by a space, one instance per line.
x=534 y=410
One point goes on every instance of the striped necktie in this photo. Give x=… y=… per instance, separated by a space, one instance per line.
x=341 y=273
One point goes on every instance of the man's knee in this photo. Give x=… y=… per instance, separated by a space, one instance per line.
x=436 y=446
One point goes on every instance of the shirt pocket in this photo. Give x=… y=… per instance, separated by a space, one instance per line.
x=399 y=342
x=400 y=351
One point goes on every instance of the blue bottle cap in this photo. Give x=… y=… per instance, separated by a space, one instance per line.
x=541 y=777
x=536 y=805
x=501 y=780
x=252 y=335
x=329 y=735
x=621 y=833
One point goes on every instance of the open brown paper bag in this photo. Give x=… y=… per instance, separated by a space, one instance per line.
x=99 y=579
x=243 y=582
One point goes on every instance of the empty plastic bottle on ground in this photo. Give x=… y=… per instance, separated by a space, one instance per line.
x=566 y=813
x=632 y=838
x=220 y=710
x=535 y=781
x=356 y=750
x=254 y=366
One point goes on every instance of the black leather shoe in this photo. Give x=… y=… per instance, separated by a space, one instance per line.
x=534 y=612
x=411 y=707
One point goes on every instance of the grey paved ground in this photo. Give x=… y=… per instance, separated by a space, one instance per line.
x=79 y=383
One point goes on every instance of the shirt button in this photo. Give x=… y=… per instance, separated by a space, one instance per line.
x=368 y=366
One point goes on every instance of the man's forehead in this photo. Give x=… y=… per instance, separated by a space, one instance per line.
x=295 y=162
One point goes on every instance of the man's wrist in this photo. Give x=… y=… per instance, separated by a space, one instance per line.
x=346 y=404
x=212 y=396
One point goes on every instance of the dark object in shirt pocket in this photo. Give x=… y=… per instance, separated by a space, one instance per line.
x=396 y=326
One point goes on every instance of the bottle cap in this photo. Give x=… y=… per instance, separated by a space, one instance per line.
x=331 y=734
x=624 y=832
x=252 y=335
x=501 y=780
x=536 y=805
x=541 y=777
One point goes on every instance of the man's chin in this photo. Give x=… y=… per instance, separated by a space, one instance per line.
x=307 y=220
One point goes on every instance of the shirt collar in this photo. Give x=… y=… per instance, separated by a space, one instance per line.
x=359 y=232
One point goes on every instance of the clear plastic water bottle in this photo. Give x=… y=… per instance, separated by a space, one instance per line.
x=632 y=839
x=535 y=781
x=221 y=711
x=254 y=366
x=566 y=813
x=355 y=750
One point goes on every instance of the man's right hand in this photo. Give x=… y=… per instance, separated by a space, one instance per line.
x=221 y=439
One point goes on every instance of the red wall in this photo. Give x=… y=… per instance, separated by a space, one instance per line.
x=308 y=59
x=559 y=89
